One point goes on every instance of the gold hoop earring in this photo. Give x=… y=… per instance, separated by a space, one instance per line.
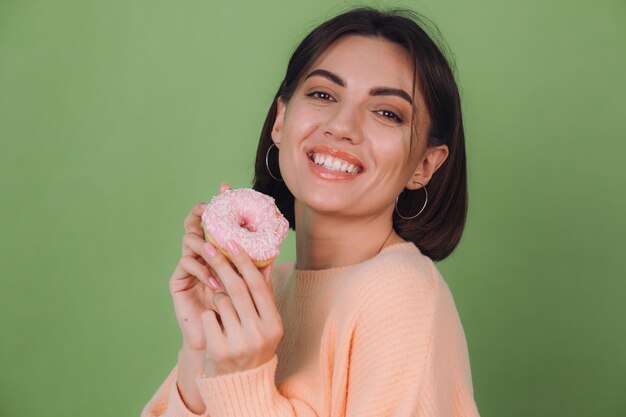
x=423 y=207
x=267 y=165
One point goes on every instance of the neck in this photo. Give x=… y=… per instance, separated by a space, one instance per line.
x=326 y=241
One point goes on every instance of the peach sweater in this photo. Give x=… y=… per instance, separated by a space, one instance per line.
x=379 y=338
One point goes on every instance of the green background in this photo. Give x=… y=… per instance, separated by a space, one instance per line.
x=117 y=116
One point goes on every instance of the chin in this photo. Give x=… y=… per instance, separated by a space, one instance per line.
x=338 y=203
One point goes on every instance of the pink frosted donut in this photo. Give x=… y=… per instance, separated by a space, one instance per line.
x=248 y=217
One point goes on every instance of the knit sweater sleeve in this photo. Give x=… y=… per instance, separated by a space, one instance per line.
x=402 y=360
x=250 y=393
x=166 y=401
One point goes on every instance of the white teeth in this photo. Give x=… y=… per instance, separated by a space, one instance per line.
x=334 y=164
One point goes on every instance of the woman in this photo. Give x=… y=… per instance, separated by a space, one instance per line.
x=363 y=150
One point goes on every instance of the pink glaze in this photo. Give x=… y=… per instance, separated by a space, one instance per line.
x=248 y=217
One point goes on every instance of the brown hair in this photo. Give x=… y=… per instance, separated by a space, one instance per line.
x=438 y=229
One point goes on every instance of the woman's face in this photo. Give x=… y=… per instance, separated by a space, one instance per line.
x=344 y=136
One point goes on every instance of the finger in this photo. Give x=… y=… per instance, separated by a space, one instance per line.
x=188 y=244
x=255 y=280
x=212 y=330
x=266 y=271
x=208 y=299
x=193 y=225
x=191 y=266
x=193 y=245
x=192 y=222
x=234 y=284
x=224 y=187
x=231 y=321
x=200 y=259
x=267 y=274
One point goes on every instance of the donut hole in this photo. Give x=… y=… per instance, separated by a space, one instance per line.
x=245 y=224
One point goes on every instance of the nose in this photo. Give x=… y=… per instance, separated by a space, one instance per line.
x=344 y=124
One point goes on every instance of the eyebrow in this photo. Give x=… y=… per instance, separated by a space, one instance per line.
x=376 y=91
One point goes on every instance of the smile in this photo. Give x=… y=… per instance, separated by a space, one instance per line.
x=329 y=162
x=333 y=163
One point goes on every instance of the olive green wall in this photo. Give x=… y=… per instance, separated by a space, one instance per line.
x=117 y=116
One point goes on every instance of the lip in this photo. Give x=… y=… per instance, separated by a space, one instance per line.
x=336 y=153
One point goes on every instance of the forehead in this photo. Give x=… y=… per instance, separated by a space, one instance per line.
x=367 y=59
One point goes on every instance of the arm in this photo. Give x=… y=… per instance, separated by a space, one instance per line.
x=190 y=365
x=248 y=393
x=391 y=344
x=409 y=356
x=192 y=294
x=167 y=400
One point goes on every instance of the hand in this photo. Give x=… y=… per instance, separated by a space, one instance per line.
x=189 y=285
x=245 y=329
x=192 y=295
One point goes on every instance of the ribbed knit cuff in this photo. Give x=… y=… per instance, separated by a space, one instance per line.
x=176 y=407
x=250 y=393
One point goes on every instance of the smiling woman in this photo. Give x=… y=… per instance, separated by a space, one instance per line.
x=362 y=323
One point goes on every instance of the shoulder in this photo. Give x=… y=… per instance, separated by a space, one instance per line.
x=399 y=282
x=398 y=270
x=390 y=302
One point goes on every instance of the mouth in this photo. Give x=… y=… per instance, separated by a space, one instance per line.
x=333 y=160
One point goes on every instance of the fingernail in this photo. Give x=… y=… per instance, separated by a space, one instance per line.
x=213 y=283
x=232 y=247
x=210 y=250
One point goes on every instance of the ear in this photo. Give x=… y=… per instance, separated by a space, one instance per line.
x=279 y=123
x=433 y=157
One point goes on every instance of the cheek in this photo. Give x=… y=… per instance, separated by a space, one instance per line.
x=302 y=121
x=392 y=154
x=390 y=145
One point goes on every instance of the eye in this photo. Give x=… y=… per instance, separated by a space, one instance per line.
x=320 y=95
x=390 y=115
